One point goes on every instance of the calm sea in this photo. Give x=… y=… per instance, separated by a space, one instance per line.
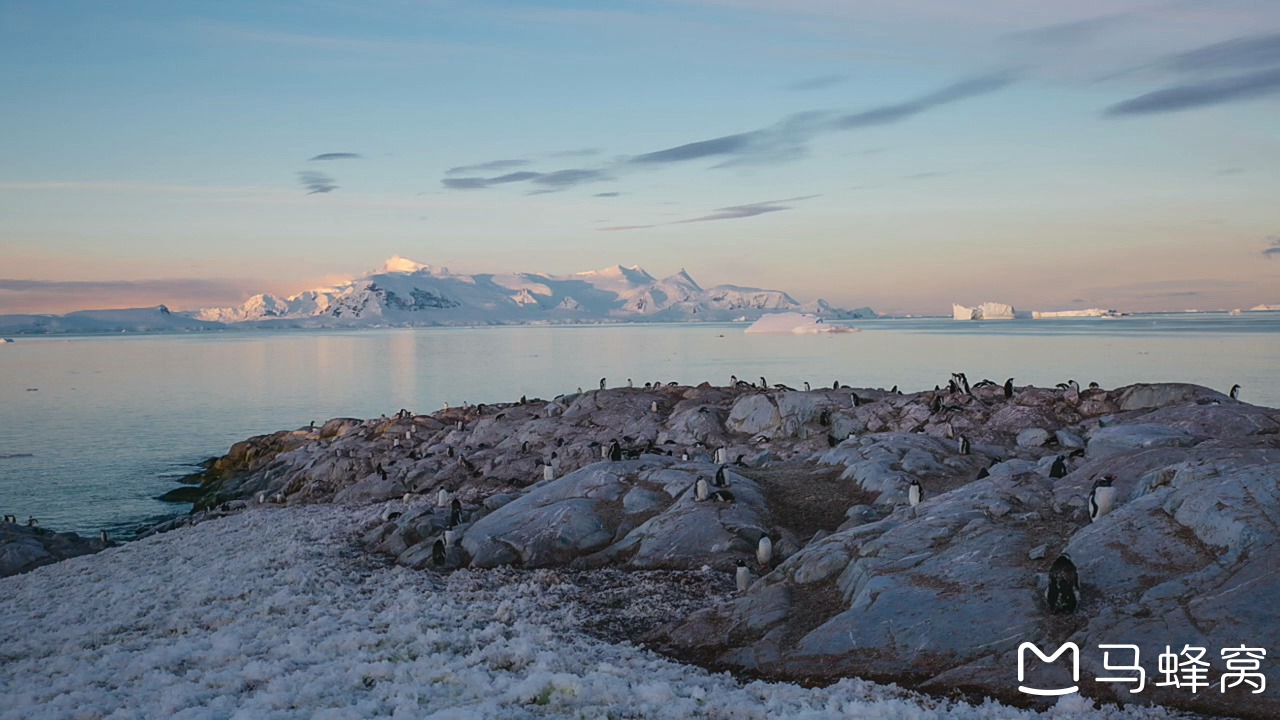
x=111 y=422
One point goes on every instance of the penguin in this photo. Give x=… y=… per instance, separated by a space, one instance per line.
x=935 y=405
x=466 y=464
x=764 y=551
x=722 y=455
x=313 y=425
x=1074 y=386
x=615 y=451
x=856 y=400
x=1064 y=586
x=262 y=498
x=1235 y=392
x=32 y=521
x=382 y=472
x=824 y=417
x=701 y=490
x=832 y=440
x=438 y=554
x=1094 y=386
x=723 y=496
x=442 y=498
x=835 y=385
x=406 y=497
x=684 y=456
x=733 y=381
x=983 y=473
x=601 y=383
x=653 y=406
x=1102 y=497
x=455 y=512
x=630 y=384
x=742 y=576
x=102 y=535
x=1059 y=468
x=1008 y=388
x=393 y=515
x=449 y=451
x=524 y=447
x=548 y=472
x=915 y=493
x=763 y=385
x=524 y=400
x=722 y=480
x=964 y=445
x=450 y=535
x=806 y=386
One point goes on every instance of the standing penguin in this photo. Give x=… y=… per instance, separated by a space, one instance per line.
x=438 y=554
x=722 y=480
x=764 y=551
x=548 y=472
x=103 y=537
x=1064 y=586
x=722 y=455
x=615 y=451
x=1059 y=468
x=743 y=576
x=442 y=498
x=450 y=535
x=455 y=512
x=964 y=445
x=630 y=384
x=1008 y=388
x=806 y=386
x=915 y=493
x=1235 y=392
x=653 y=406
x=1102 y=497
x=701 y=490
x=601 y=383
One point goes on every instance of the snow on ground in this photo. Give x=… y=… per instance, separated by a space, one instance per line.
x=274 y=613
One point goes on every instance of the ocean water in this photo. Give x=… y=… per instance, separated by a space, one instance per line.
x=98 y=426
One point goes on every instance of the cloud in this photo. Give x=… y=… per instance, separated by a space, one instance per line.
x=1201 y=94
x=486 y=167
x=733 y=212
x=816 y=83
x=786 y=139
x=1274 y=249
x=607 y=194
x=60 y=296
x=316 y=182
x=581 y=152
x=1074 y=32
x=335 y=156
x=547 y=181
x=1242 y=53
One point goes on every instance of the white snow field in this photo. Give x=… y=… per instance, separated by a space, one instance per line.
x=273 y=613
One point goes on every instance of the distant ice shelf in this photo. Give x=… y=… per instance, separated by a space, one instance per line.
x=795 y=324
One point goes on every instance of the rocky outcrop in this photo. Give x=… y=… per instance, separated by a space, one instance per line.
x=24 y=548
x=939 y=595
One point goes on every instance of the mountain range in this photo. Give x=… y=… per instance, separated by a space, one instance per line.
x=407 y=293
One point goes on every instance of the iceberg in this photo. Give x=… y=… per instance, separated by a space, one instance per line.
x=795 y=323
x=985 y=311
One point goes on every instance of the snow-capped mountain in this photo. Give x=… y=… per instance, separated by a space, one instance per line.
x=405 y=292
x=152 y=319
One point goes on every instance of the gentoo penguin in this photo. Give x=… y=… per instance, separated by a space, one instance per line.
x=806 y=386
x=313 y=425
x=856 y=400
x=722 y=455
x=1235 y=392
x=964 y=445
x=684 y=456
x=701 y=490
x=915 y=493
x=32 y=521
x=450 y=535
x=615 y=451
x=1074 y=386
x=455 y=512
x=723 y=496
x=743 y=576
x=1059 y=468
x=832 y=440
x=1064 y=586
x=1102 y=497
x=102 y=535
x=1008 y=388
x=630 y=384
x=763 y=385
x=1094 y=386
x=733 y=380
x=548 y=472
x=764 y=551
x=407 y=497
x=721 y=480
x=524 y=399
x=449 y=451
x=983 y=473
x=653 y=406
x=438 y=554
x=524 y=447
x=601 y=383
x=442 y=498
x=262 y=498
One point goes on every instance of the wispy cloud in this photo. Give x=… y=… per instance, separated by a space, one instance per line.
x=1274 y=249
x=1201 y=94
x=783 y=141
x=733 y=212
x=316 y=182
x=56 y=296
x=335 y=156
x=607 y=194
x=816 y=83
x=1242 y=53
x=580 y=152
x=490 y=166
x=546 y=181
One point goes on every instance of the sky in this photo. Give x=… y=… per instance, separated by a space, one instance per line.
x=1100 y=153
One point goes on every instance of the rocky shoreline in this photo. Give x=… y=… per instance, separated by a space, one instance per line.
x=936 y=596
